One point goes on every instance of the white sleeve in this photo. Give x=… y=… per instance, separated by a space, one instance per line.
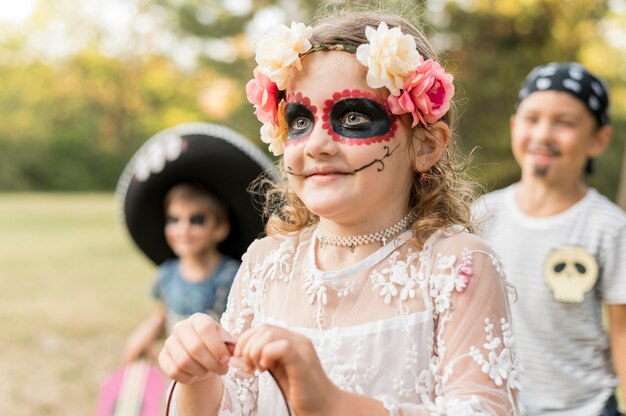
x=613 y=269
x=474 y=367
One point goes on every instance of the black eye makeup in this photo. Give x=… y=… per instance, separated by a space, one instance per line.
x=197 y=219
x=300 y=120
x=360 y=118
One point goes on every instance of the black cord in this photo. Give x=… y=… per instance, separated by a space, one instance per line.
x=231 y=348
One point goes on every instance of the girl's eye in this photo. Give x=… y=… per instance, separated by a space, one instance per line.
x=299 y=120
x=354 y=119
x=300 y=123
x=299 y=127
x=169 y=220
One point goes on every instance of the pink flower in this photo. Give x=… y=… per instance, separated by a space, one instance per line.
x=466 y=270
x=426 y=94
x=263 y=93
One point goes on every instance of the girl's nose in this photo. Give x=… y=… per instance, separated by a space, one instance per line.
x=320 y=142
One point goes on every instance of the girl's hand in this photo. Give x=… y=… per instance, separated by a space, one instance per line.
x=294 y=365
x=195 y=350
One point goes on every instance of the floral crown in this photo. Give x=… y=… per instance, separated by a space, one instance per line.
x=418 y=87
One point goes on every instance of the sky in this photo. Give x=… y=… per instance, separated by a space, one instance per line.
x=120 y=20
x=124 y=29
x=16 y=11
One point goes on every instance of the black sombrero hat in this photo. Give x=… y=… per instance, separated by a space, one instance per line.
x=215 y=156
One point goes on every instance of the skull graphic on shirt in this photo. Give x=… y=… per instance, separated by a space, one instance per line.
x=570 y=272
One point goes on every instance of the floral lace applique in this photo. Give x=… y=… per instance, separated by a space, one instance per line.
x=318 y=290
x=351 y=375
x=408 y=387
x=277 y=264
x=457 y=407
x=315 y=287
x=501 y=363
x=246 y=391
x=400 y=278
x=452 y=276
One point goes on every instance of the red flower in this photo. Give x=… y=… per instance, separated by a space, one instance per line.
x=426 y=94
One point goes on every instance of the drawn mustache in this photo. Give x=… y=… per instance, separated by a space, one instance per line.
x=549 y=148
x=379 y=161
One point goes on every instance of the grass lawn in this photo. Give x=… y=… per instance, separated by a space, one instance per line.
x=72 y=287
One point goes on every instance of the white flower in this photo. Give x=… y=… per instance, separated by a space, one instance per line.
x=315 y=288
x=400 y=277
x=390 y=57
x=441 y=290
x=278 y=51
x=275 y=137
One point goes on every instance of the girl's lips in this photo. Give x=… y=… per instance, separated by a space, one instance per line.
x=326 y=177
x=325 y=171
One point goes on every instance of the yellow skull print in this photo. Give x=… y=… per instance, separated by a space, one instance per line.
x=570 y=272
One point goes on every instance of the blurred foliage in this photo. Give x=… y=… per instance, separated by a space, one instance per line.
x=501 y=42
x=72 y=123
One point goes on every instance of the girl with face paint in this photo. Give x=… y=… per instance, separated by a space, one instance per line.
x=575 y=261
x=369 y=295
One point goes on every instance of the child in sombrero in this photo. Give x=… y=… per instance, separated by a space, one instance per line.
x=200 y=277
x=187 y=207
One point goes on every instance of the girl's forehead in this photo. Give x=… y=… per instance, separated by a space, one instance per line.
x=324 y=73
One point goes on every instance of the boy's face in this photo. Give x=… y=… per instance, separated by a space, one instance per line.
x=345 y=153
x=553 y=134
x=190 y=228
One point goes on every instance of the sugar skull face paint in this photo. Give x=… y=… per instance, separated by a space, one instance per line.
x=345 y=177
x=377 y=161
x=350 y=117
x=301 y=117
x=357 y=117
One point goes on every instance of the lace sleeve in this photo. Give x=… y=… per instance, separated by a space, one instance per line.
x=240 y=388
x=473 y=368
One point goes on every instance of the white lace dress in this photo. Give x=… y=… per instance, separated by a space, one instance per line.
x=425 y=332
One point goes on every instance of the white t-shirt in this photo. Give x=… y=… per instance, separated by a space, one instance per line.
x=557 y=320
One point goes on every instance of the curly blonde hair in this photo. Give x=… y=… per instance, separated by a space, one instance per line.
x=440 y=197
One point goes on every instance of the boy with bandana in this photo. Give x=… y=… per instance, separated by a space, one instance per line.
x=563 y=245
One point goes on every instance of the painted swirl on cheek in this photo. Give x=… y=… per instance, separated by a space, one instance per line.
x=380 y=161
x=357 y=117
x=380 y=168
x=301 y=118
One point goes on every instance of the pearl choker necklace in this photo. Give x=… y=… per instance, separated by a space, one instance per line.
x=362 y=240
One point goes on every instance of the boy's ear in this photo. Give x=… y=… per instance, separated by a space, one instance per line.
x=512 y=122
x=600 y=140
x=430 y=144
